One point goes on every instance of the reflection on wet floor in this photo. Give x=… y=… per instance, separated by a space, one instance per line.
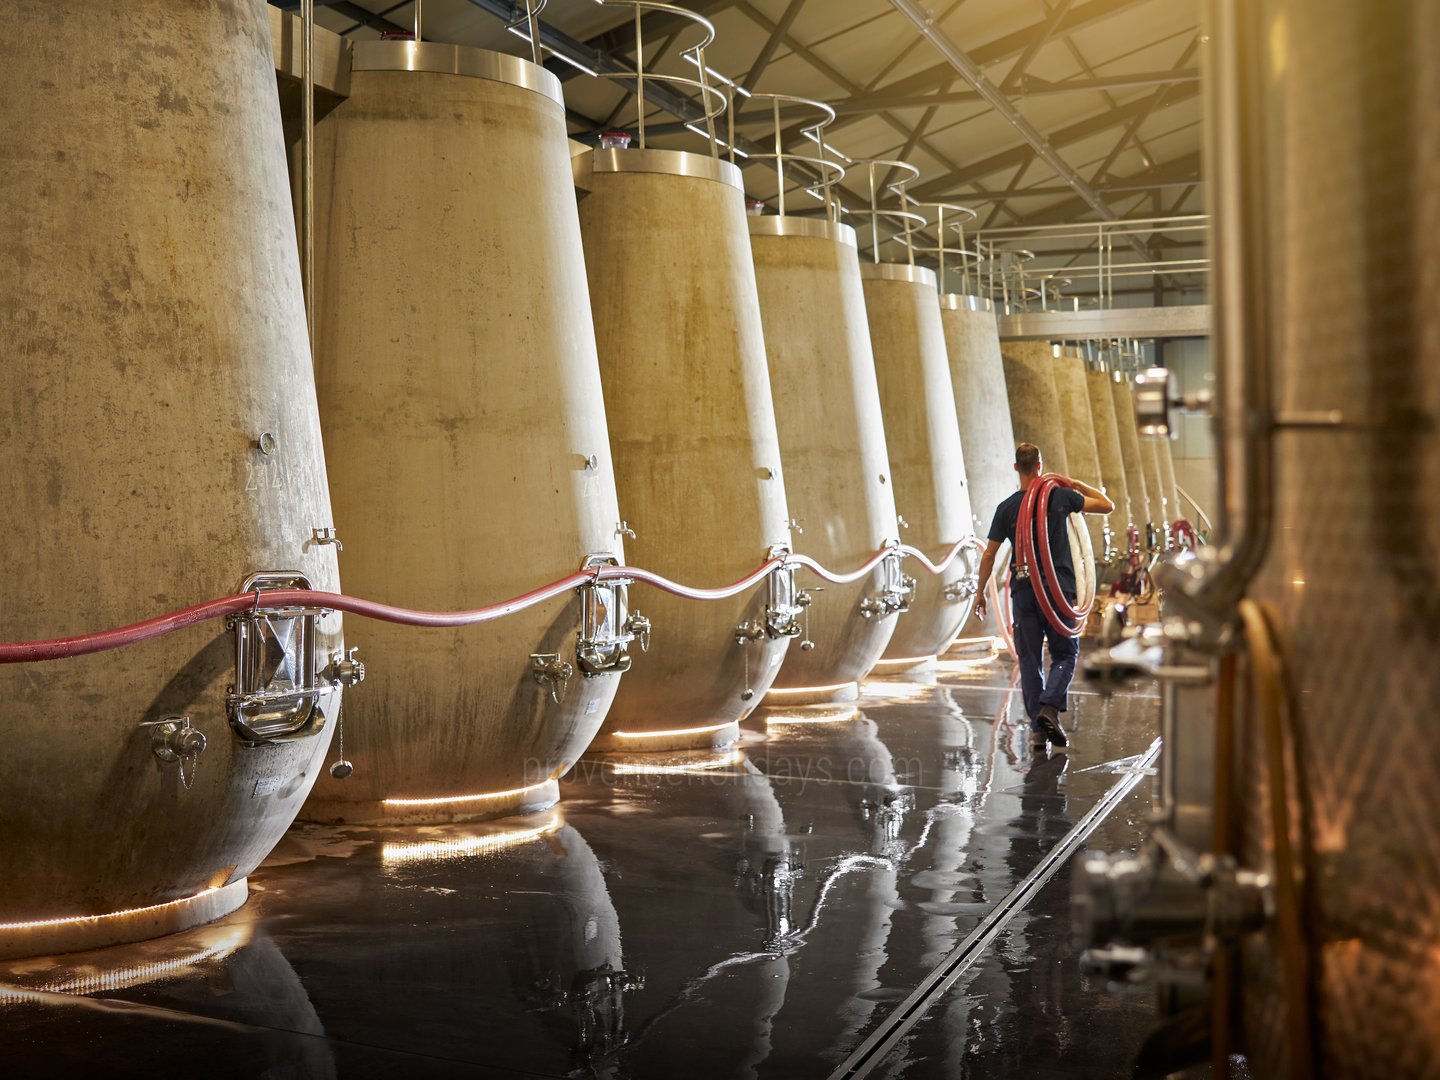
x=757 y=911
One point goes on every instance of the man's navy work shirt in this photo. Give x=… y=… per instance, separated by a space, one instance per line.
x=1063 y=503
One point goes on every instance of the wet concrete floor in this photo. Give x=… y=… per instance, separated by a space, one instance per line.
x=751 y=913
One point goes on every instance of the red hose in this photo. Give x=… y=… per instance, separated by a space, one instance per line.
x=1032 y=531
x=20 y=652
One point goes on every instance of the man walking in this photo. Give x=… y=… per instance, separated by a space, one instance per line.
x=1045 y=697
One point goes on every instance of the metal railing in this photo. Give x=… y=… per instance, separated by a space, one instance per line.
x=713 y=100
x=1029 y=268
x=830 y=172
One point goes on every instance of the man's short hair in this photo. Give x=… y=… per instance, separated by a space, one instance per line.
x=1027 y=457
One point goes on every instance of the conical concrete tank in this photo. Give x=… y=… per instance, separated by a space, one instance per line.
x=1034 y=400
x=1112 y=456
x=1129 y=432
x=972 y=342
x=161 y=444
x=466 y=431
x=1081 y=450
x=832 y=443
x=1165 y=448
x=923 y=437
x=1154 y=482
x=697 y=455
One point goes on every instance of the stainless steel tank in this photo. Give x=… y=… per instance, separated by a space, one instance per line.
x=1321 y=765
x=832 y=443
x=697 y=454
x=465 y=429
x=972 y=342
x=923 y=435
x=1034 y=401
x=1081 y=450
x=1349 y=216
x=1107 y=444
x=161 y=444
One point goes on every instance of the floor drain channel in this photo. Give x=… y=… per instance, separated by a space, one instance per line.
x=873 y=1051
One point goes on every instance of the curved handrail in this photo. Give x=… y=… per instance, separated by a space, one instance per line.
x=20 y=652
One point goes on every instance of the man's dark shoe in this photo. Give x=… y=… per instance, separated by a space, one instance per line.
x=1038 y=741
x=1049 y=724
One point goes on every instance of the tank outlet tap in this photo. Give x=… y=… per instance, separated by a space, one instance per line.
x=346 y=670
x=1164 y=896
x=551 y=672
x=638 y=627
x=874 y=607
x=963 y=588
x=174 y=740
x=622 y=528
x=748 y=631
x=320 y=537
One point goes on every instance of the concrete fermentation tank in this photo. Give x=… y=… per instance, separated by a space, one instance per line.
x=697 y=455
x=1136 y=474
x=466 y=431
x=1107 y=444
x=1081 y=449
x=1035 y=401
x=832 y=441
x=928 y=465
x=161 y=444
x=972 y=342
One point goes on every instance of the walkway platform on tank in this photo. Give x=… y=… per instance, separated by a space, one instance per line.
x=761 y=912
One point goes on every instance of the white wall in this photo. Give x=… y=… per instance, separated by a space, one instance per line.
x=1189 y=362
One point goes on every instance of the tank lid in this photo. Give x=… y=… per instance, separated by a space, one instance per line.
x=614 y=140
x=818 y=228
x=886 y=271
x=442 y=59
x=961 y=302
x=666 y=162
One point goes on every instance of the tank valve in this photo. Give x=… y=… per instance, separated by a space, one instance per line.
x=550 y=671
x=638 y=627
x=749 y=631
x=874 y=607
x=346 y=670
x=326 y=536
x=963 y=589
x=173 y=741
x=622 y=528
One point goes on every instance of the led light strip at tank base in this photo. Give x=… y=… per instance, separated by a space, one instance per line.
x=732 y=757
x=446 y=800
x=796 y=691
x=70 y=933
x=675 y=732
x=79 y=920
x=462 y=846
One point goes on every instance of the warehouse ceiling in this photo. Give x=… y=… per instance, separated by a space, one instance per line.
x=1103 y=92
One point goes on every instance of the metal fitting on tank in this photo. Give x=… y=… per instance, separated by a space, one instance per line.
x=963 y=588
x=1163 y=896
x=346 y=670
x=551 y=672
x=174 y=742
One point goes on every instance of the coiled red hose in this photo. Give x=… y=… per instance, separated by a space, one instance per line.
x=21 y=652
x=1032 y=550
